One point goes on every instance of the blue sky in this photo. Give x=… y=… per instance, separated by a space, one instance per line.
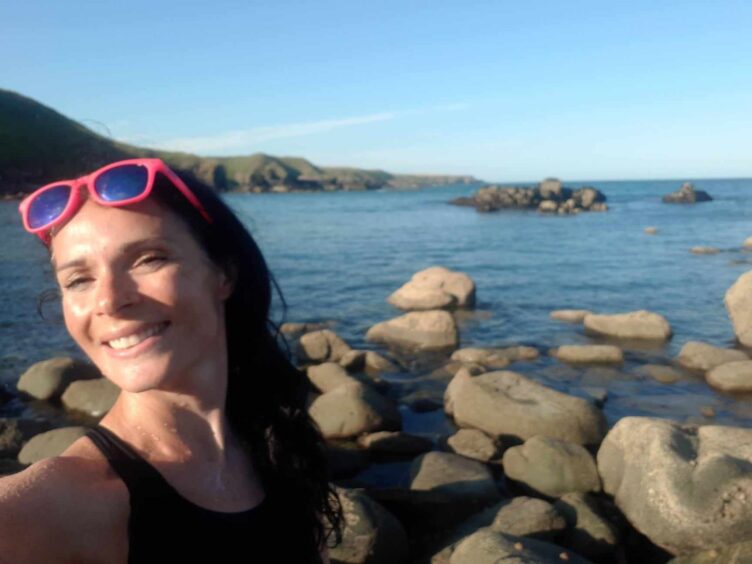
x=502 y=90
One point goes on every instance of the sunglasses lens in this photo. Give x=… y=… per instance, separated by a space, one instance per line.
x=48 y=205
x=121 y=183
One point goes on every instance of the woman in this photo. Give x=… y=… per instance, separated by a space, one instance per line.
x=208 y=452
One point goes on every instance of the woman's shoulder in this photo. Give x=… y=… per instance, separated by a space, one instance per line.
x=54 y=509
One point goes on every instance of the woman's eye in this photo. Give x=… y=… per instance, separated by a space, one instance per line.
x=75 y=283
x=151 y=260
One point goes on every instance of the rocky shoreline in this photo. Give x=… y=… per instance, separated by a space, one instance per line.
x=527 y=472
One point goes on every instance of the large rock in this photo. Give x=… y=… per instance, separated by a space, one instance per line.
x=738 y=302
x=475 y=444
x=687 y=195
x=329 y=375
x=435 y=288
x=508 y=404
x=703 y=357
x=632 y=325
x=732 y=376
x=371 y=533
x=92 y=397
x=422 y=330
x=51 y=443
x=552 y=467
x=469 y=481
x=353 y=409
x=589 y=533
x=322 y=346
x=48 y=379
x=489 y=547
x=685 y=488
x=589 y=354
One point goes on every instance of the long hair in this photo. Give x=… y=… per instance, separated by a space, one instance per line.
x=266 y=393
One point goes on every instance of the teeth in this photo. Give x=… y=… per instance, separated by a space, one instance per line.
x=133 y=340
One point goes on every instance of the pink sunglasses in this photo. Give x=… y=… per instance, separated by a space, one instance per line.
x=117 y=184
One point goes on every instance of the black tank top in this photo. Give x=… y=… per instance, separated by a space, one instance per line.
x=164 y=527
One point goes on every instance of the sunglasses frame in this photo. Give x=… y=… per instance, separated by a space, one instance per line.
x=152 y=166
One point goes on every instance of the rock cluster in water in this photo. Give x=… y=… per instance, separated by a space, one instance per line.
x=548 y=197
x=687 y=195
x=531 y=474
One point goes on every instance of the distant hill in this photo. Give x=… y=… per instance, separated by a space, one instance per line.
x=39 y=145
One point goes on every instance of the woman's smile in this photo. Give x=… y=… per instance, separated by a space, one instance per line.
x=129 y=344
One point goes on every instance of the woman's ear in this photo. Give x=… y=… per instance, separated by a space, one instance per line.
x=228 y=279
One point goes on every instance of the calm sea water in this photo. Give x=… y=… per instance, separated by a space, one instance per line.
x=337 y=256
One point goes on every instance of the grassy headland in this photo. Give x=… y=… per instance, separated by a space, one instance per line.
x=39 y=145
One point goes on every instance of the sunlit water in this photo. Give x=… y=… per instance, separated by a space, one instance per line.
x=337 y=256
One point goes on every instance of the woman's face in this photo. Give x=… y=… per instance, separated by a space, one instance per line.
x=140 y=296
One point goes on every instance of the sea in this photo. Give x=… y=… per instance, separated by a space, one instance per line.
x=338 y=255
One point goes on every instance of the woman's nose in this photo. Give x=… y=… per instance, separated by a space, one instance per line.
x=114 y=292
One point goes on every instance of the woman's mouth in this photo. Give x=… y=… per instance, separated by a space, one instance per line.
x=130 y=341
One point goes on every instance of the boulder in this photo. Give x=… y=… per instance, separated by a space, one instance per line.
x=686 y=488
x=702 y=357
x=639 y=325
x=435 y=288
x=699 y=250
x=732 y=376
x=589 y=354
x=370 y=533
x=353 y=409
x=508 y=404
x=322 y=346
x=92 y=397
x=421 y=330
x=521 y=517
x=48 y=379
x=51 y=443
x=589 y=532
x=548 y=206
x=470 y=482
x=474 y=444
x=738 y=300
x=395 y=442
x=329 y=375
x=489 y=547
x=570 y=315
x=552 y=467
x=375 y=363
x=687 y=195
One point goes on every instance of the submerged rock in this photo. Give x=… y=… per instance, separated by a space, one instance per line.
x=702 y=357
x=641 y=324
x=687 y=195
x=570 y=315
x=589 y=354
x=686 y=488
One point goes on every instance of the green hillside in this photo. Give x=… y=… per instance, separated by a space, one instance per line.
x=39 y=145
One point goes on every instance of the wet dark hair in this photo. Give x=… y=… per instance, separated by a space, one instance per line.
x=266 y=393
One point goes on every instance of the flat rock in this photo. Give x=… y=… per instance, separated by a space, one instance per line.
x=371 y=533
x=570 y=315
x=435 y=288
x=353 y=409
x=50 y=443
x=475 y=444
x=329 y=375
x=467 y=480
x=421 y=330
x=322 y=346
x=686 y=488
x=738 y=300
x=505 y=403
x=48 y=379
x=699 y=250
x=92 y=397
x=552 y=467
x=632 y=325
x=732 y=376
x=702 y=357
x=661 y=373
x=589 y=354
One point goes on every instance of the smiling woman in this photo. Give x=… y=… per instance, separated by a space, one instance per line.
x=208 y=452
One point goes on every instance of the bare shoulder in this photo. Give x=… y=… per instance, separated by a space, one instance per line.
x=50 y=511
